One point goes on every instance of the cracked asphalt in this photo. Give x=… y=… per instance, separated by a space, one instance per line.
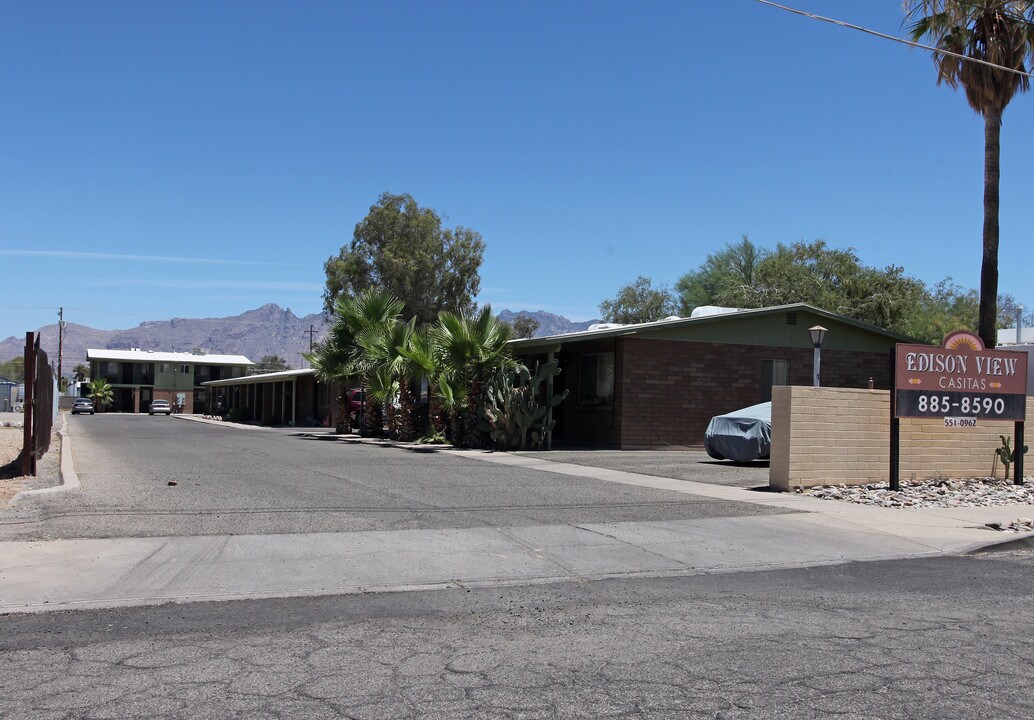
x=945 y=637
x=933 y=638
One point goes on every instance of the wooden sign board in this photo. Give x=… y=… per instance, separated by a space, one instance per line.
x=960 y=381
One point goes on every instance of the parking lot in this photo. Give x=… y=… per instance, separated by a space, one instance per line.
x=230 y=480
x=694 y=465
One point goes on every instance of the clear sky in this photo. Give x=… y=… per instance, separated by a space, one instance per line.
x=198 y=159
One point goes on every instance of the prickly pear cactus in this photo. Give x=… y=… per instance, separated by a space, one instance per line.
x=1007 y=455
x=512 y=412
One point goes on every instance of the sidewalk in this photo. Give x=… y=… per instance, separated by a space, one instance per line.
x=68 y=574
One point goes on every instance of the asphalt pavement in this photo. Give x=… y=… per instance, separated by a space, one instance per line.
x=249 y=481
x=923 y=639
x=263 y=513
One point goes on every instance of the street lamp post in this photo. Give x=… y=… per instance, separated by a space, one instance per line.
x=818 y=334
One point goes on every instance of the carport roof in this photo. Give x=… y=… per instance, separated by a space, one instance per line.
x=264 y=377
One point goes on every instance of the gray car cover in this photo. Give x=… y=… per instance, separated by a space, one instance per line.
x=742 y=435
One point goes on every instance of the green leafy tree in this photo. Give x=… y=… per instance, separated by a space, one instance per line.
x=80 y=372
x=639 y=302
x=998 y=32
x=100 y=392
x=269 y=364
x=814 y=273
x=13 y=369
x=723 y=274
x=402 y=249
x=524 y=326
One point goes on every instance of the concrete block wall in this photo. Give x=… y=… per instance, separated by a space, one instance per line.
x=824 y=436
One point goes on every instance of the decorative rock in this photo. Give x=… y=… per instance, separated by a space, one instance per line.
x=937 y=493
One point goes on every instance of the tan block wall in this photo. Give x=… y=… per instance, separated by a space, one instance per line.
x=823 y=436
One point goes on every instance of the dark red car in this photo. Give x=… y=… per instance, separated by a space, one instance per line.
x=355 y=402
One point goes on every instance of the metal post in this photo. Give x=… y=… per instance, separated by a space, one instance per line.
x=28 y=446
x=895 y=427
x=1018 y=453
x=816 y=359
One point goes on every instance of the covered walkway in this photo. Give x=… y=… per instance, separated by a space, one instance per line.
x=290 y=397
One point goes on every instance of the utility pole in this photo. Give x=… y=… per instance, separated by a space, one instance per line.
x=311 y=332
x=60 y=342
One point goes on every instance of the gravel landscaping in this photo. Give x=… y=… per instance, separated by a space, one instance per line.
x=950 y=493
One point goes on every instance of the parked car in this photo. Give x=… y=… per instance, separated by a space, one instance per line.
x=160 y=406
x=82 y=405
x=742 y=435
x=355 y=403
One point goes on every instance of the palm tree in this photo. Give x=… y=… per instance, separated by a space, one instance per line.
x=342 y=355
x=999 y=32
x=100 y=392
x=468 y=350
x=418 y=364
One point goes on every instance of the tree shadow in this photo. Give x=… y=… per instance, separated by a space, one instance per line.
x=12 y=469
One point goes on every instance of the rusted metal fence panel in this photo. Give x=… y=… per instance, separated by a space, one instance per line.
x=39 y=404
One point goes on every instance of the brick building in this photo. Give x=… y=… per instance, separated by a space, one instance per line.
x=658 y=384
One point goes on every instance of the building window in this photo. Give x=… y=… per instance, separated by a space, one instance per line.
x=163 y=368
x=596 y=380
x=185 y=369
x=773 y=372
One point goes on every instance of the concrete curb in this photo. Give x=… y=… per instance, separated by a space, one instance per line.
x=67 y=475
x=1020 y=543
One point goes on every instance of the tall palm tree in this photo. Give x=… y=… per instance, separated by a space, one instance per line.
x=1000 y=32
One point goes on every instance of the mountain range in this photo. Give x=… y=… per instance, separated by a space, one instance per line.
x=266 y=330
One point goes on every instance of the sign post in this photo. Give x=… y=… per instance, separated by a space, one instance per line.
x=961 y=382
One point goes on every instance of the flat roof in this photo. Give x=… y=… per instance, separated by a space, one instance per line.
x=611 y=330
x=168 y=357
x=264 y=377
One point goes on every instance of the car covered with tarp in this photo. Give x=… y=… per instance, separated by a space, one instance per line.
x=742 y=435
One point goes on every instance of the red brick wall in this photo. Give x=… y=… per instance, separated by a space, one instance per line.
x=666 y=391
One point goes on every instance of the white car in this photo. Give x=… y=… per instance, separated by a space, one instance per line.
x=82 y=405
x=160 y=407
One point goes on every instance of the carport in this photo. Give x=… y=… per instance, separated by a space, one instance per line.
x=279 y=398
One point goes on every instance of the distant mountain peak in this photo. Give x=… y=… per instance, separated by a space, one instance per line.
x=549 y=323
x=265 y=330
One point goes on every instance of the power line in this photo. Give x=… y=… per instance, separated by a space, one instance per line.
x=903 y=41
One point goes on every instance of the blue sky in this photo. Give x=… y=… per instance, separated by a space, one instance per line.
x=209 y=156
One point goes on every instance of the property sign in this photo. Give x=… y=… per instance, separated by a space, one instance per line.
x=960 y=381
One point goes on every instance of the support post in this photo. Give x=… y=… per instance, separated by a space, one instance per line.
x=895 y=427
x=549 y=404
x=1018 y=454
x=28 y=437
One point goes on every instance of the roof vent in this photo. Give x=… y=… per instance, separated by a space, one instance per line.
x=705 y=310
x=791 y=318
x=605 y=326
x=673 y=317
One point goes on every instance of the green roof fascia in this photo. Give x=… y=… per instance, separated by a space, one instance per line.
x=703 y=329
